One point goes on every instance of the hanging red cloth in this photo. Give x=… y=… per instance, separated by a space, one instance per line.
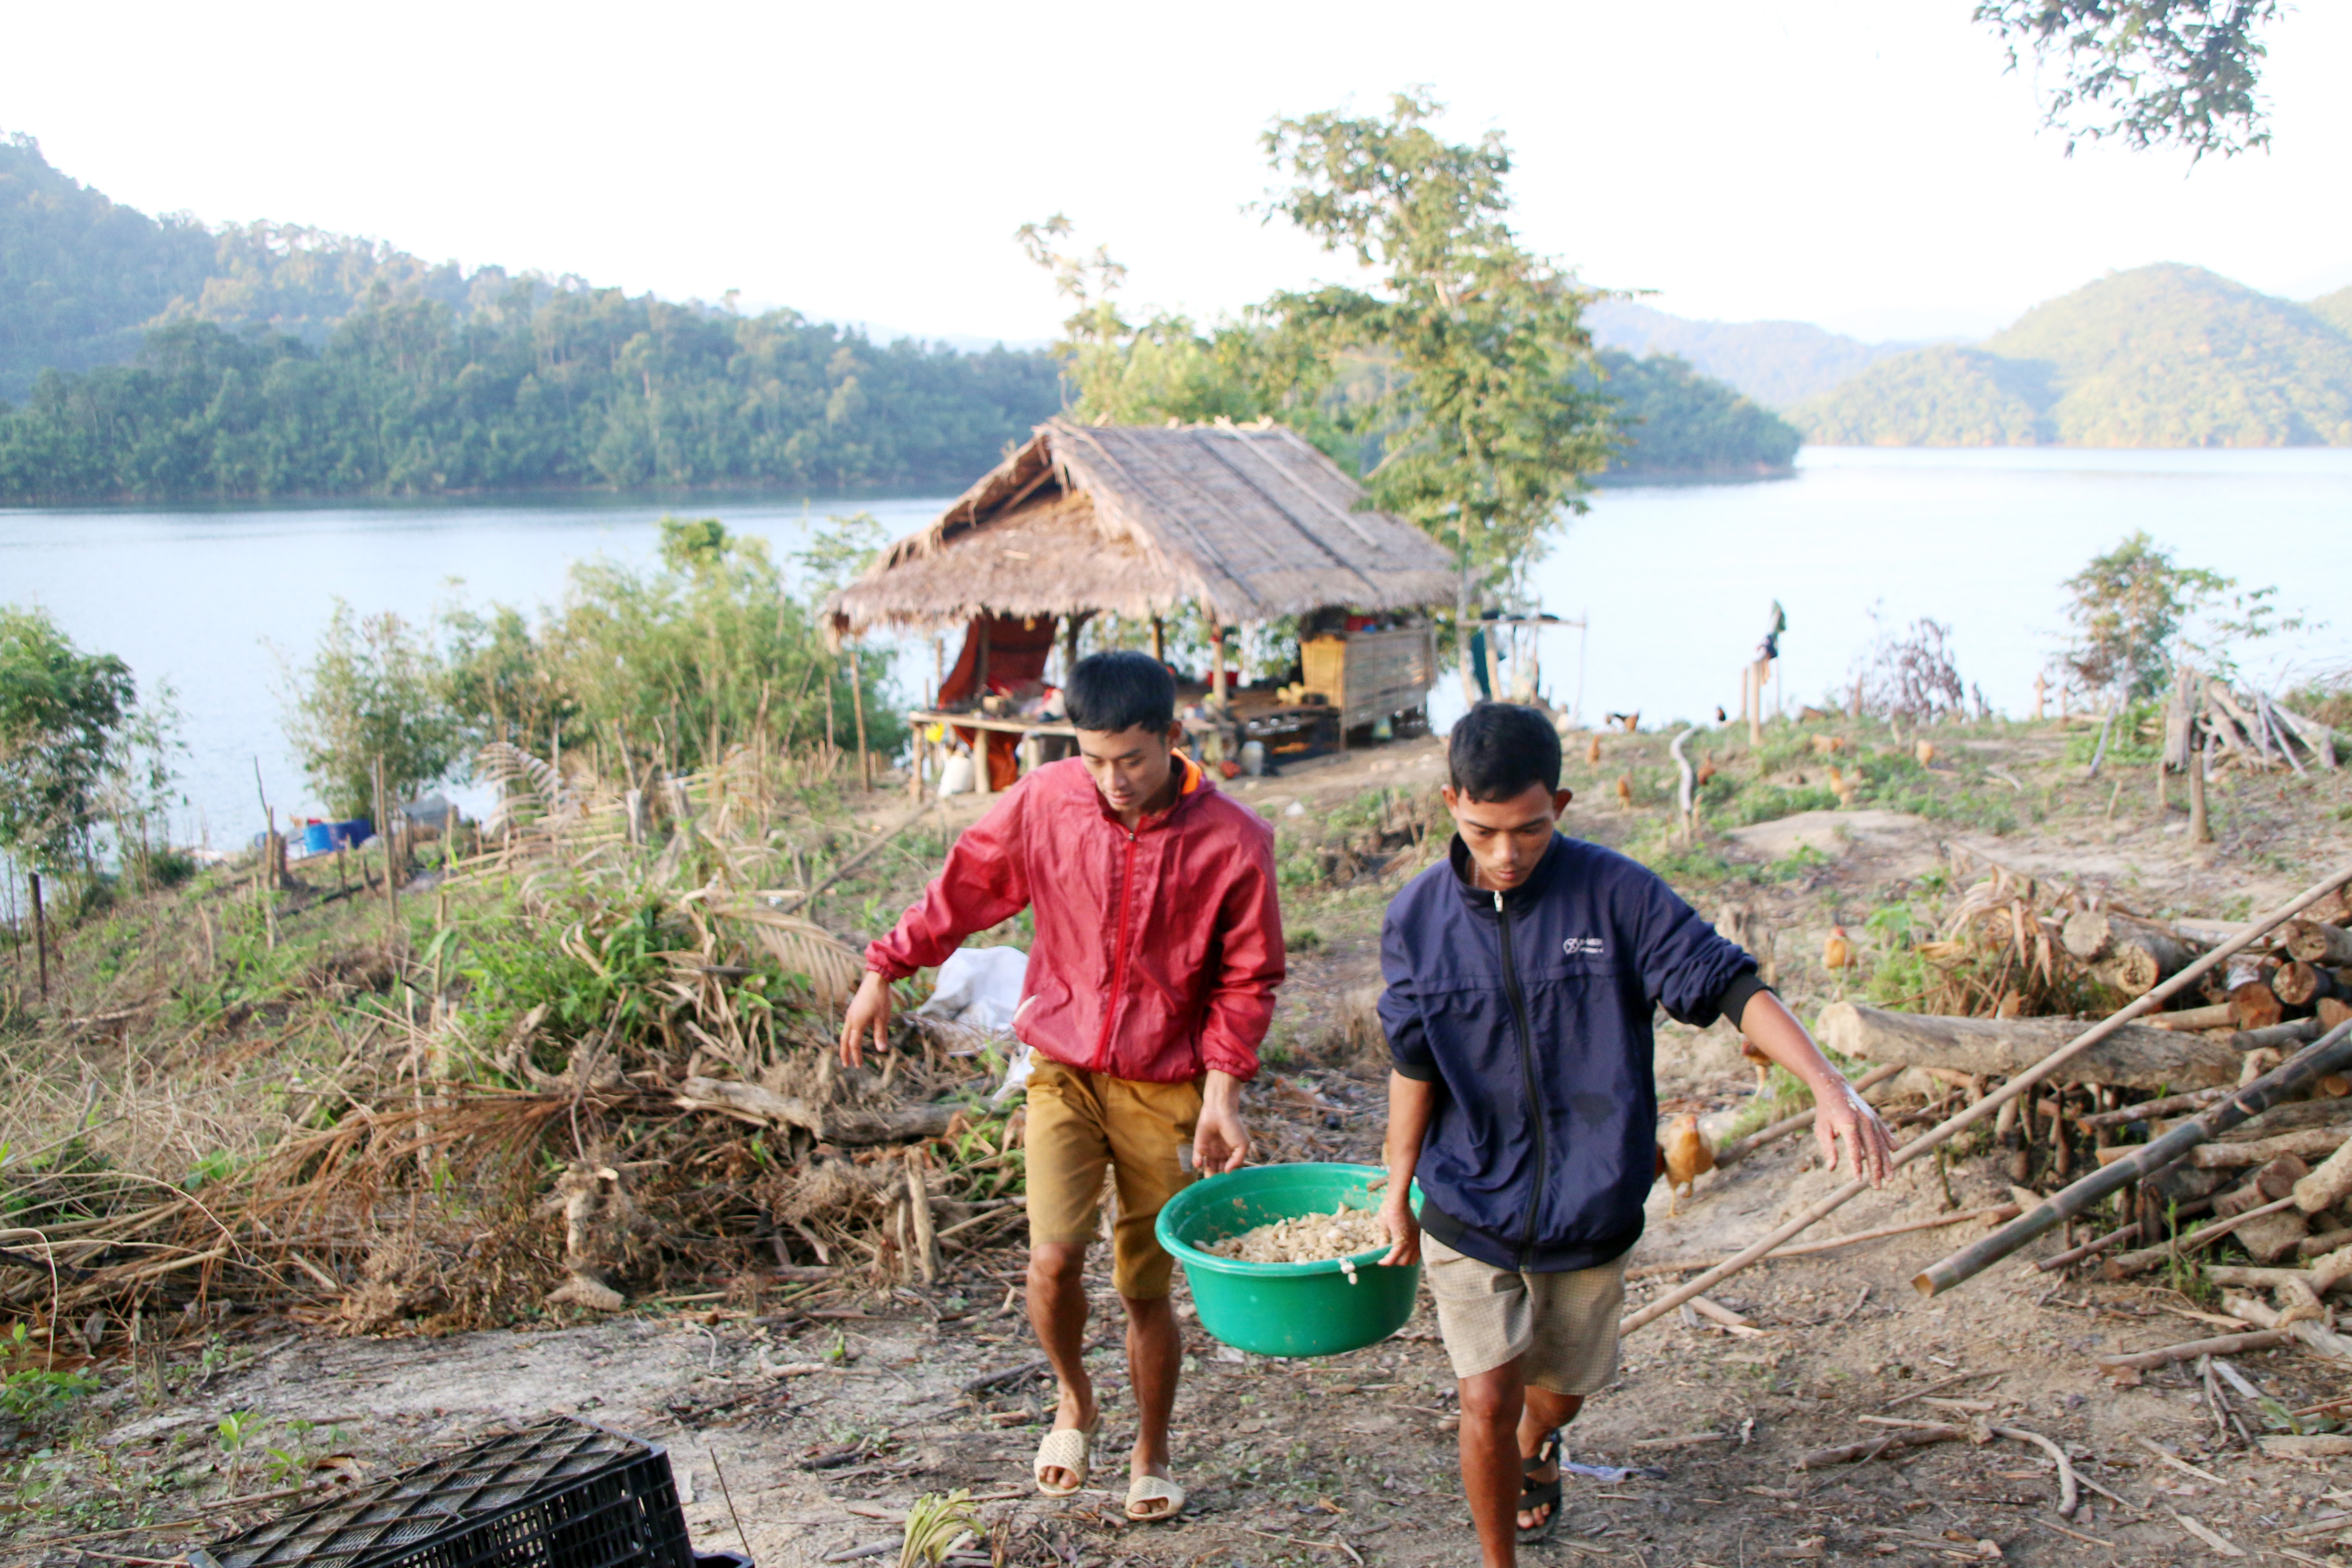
x=1017 y=650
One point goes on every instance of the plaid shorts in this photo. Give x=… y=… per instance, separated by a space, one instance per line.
x=1560 y=1327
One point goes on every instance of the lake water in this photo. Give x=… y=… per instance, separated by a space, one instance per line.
x=1677 y=581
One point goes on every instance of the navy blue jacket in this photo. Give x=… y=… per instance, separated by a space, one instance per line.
x=1530 y=1011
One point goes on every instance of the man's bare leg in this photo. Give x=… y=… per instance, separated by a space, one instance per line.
x=1057 y=1314
x=1155 y=1355
x=1503 y=1422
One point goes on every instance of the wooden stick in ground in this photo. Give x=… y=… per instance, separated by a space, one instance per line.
x=2075 y=1255
x=1740 y=1148
x=1910 y=1438
x=863 y=856
x=2220 y=1345
x=1992 y=1103
x=41 y=933
x=2315 y=1062
x=2123 y=1116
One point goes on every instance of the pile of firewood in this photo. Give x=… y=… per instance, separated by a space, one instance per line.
x=2277 y=1186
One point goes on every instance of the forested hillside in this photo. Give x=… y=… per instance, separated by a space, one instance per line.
x=2158 y=356
x=1679 y=424
x=270 y=360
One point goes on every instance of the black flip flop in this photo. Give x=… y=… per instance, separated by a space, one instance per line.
x=1534 y=1494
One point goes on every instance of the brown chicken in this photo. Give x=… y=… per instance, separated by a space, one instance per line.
x=1687 y=1155
x=1625 y=789
x=1925 y=751
x=1762 y=1063
x=1837 y=953
x=1592 y=753
x=1706 y=771
x=1842 y=786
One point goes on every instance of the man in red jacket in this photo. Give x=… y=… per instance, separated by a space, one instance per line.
x=1150 y=983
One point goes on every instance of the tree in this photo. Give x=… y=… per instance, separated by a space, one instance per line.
x=2150 y=71
x=78 y=752
x=1116 y=372
x=374 y=691
x=1487 y=430
x=2128 y=607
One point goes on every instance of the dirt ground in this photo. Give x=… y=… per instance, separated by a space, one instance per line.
x=826 y=1425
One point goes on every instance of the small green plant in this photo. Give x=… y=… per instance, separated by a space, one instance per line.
x=237 y=1429
x=935 y=1525
x=1798 y=864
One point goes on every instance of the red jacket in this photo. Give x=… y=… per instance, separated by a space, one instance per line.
x=1156 y=951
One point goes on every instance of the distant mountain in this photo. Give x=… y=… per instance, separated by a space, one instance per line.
x=1778 y=363
x=1681 y=425
x=2335 y=307
x=154 y=359
x=2167 y=355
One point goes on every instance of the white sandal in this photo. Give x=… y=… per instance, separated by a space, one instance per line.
x=1072 y=1449
x=1145 y=1491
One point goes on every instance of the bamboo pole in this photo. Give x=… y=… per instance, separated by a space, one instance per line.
x=1992 y=1103
x=2315 y=1061
x=40 y=933
x=1740 y=1148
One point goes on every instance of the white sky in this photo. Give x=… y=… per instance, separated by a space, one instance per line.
x=1862 y=163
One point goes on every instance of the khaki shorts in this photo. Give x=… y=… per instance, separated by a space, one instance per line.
x=1560 y=1327
x=1080 y=1121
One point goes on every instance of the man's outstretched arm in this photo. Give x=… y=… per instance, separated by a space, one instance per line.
x=984 y=883
x=1840 y=1116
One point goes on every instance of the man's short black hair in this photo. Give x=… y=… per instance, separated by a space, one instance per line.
x=1121 y=691
x=1498 y=749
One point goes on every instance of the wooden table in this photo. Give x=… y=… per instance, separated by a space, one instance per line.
x=1026 y=728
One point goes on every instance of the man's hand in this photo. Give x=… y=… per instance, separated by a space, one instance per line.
x=1842 y=1116
x=1403 y=1226
x=869 y=1013
x=1220 y=1142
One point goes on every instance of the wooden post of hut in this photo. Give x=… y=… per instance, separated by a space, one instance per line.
x=1216 y=659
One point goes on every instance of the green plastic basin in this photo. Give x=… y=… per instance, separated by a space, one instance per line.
x=1285 y=1309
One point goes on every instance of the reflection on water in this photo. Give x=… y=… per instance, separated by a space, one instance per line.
x=1676 y=579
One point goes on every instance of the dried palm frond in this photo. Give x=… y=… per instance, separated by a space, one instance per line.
x=529 y=785
x=832 y=966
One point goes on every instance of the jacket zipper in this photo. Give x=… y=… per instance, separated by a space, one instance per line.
x=1119 y=953
x=1526 y=1079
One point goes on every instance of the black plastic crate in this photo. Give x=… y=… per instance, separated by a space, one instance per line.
x=560 y=1494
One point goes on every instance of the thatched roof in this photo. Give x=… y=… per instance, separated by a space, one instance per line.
x=1138 y=520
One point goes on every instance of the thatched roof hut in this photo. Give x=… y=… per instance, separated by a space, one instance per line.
x=1249 y=521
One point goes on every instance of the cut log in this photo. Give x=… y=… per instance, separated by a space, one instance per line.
x=2313 y=1337
x=2302 y=984
x=2145 y=1163
x=2273 y=1235
x=2316 y=941
x=2291 y=1117
x=2328 y=1185
x=2218 y=1015
x=828 y=1124
x=2278 y=1036
x=2270 y=1183
x=2220 y=1345
x=2255 y=1006
x=2305 y=1143
x=1910 y=1438
x=2333 y=1011
x=2132 y=1057
x=2129 y=954
x=2148 y=1109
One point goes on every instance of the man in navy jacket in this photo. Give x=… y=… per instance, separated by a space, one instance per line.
x=1522 y=975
